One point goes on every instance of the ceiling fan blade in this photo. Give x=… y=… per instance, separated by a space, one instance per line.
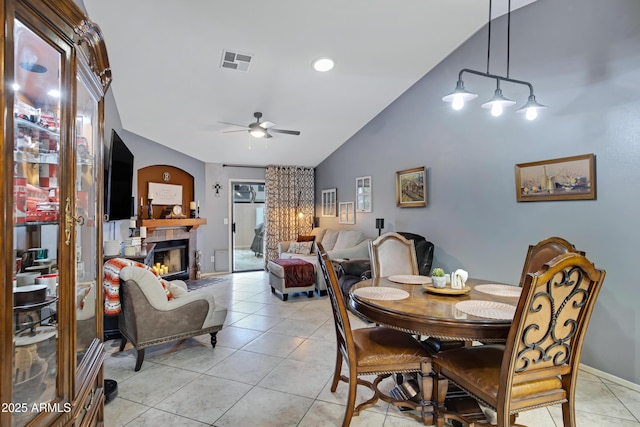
x=233 y=124
x=288 y=132
x=267 y=124
x=231 y=131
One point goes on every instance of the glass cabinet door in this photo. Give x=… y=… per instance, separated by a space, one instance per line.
x=86 y=220
x=36 y=219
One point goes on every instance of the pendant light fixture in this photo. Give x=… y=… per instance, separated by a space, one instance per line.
x=498 y=103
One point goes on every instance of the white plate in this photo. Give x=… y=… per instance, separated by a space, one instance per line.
x=410 y=279
x=487 y=309
x=381 y=293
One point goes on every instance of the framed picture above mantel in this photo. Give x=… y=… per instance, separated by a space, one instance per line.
x=565 y=178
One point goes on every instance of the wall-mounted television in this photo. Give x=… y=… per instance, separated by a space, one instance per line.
x=118 y=181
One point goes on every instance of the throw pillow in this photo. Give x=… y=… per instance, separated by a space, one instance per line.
x=176 y=290
x=329 y=239
x=300 y=248
x=348 y=239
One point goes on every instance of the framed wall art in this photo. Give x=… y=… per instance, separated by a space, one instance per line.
x=329 y=202
x=566 y=178
x=347 y=213
x=363 y=194
x=411 y=187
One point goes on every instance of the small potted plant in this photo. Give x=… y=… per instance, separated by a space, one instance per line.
x=438 y=278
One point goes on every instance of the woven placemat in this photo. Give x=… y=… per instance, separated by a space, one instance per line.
x=410 y=279
x=500 y=290
x=381 y=293
x=487 y=309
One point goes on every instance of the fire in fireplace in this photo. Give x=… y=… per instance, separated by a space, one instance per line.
x=175 y=255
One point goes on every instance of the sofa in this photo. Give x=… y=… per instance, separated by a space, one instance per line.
x=339 y=244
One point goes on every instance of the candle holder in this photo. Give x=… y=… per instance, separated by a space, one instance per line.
x=192 y=213
x=198 y=212
x=150 y=212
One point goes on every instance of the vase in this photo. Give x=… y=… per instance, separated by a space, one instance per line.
x=439 y=282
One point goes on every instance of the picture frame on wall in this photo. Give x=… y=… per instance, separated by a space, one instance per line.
x=363 y=194
x=565 y=178
x=347 y=213
x=329 y=202
x=411 y=187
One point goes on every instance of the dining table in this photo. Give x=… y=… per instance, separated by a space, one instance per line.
x=480 y=311
x=421 y=309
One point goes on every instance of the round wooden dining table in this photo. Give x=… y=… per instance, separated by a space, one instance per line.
x=433 y=314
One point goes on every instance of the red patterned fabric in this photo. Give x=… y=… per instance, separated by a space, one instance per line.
x=297 y=272
x=111 y=283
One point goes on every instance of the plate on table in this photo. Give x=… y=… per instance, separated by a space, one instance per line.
x=410 y=279
x=447 y=290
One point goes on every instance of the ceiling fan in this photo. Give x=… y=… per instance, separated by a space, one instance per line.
x=260 y=129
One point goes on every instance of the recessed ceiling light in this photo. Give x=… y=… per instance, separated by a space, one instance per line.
x=323 y=64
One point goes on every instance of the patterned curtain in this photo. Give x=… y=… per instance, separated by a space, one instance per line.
x=289 y=205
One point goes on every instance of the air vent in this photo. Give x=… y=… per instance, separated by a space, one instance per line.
x=235 y=61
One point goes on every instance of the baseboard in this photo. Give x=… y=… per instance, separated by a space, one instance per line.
x=612 y=378
x=204 y=275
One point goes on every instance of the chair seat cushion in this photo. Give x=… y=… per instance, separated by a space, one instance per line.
x=477 y=370
x=380 y=349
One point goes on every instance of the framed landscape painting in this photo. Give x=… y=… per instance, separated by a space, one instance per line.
x=411 y=187
x=566 y=178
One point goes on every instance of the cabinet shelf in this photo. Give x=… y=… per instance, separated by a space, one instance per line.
x=189 y=223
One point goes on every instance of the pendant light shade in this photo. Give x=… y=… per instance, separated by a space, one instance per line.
x=459 y=96
x=498 y=103
x=530 y=109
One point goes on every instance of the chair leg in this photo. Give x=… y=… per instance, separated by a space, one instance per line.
x=139 y=360
x=123 y=342
x=351 y=399
x=336 y=372
x=568 y=414
x=214 y=339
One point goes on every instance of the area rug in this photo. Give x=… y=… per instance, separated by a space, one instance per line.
x=203 y=283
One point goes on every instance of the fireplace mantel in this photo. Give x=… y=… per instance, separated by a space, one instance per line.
x=189 y=223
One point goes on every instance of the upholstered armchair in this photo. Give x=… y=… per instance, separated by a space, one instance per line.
x=154 y=313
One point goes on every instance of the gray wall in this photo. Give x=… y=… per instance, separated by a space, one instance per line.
x=583 y=59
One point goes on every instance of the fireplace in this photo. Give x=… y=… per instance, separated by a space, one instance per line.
x=175 y=255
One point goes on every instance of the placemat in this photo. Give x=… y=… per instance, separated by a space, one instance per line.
x=500 y=290
x=487 y=309
x=381 y=293
x=410 y=279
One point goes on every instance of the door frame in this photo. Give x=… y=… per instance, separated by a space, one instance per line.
x=231 y=217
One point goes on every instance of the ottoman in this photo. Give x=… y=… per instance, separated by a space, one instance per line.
x=291 y=275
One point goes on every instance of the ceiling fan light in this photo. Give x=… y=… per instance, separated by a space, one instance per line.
x=323 y=64
x=258 y=132
x=530 y=109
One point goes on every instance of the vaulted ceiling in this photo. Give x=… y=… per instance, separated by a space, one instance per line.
x=169 y=85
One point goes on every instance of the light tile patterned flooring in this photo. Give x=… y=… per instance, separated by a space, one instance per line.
x=273 y=366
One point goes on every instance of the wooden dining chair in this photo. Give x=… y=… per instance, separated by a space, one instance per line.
x=392 y=254
x=376 y=350
x=544 y=251
x=538 y=364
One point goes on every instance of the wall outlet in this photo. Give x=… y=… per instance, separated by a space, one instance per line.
x=213 y=258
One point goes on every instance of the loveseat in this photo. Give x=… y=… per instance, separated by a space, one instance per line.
x=339 y=244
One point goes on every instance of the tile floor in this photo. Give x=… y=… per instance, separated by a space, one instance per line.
x=273 y=365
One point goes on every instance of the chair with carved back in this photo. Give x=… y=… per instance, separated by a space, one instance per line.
x=376 y=350
x=544 y=251
x=538 y=364
x=392 y=254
